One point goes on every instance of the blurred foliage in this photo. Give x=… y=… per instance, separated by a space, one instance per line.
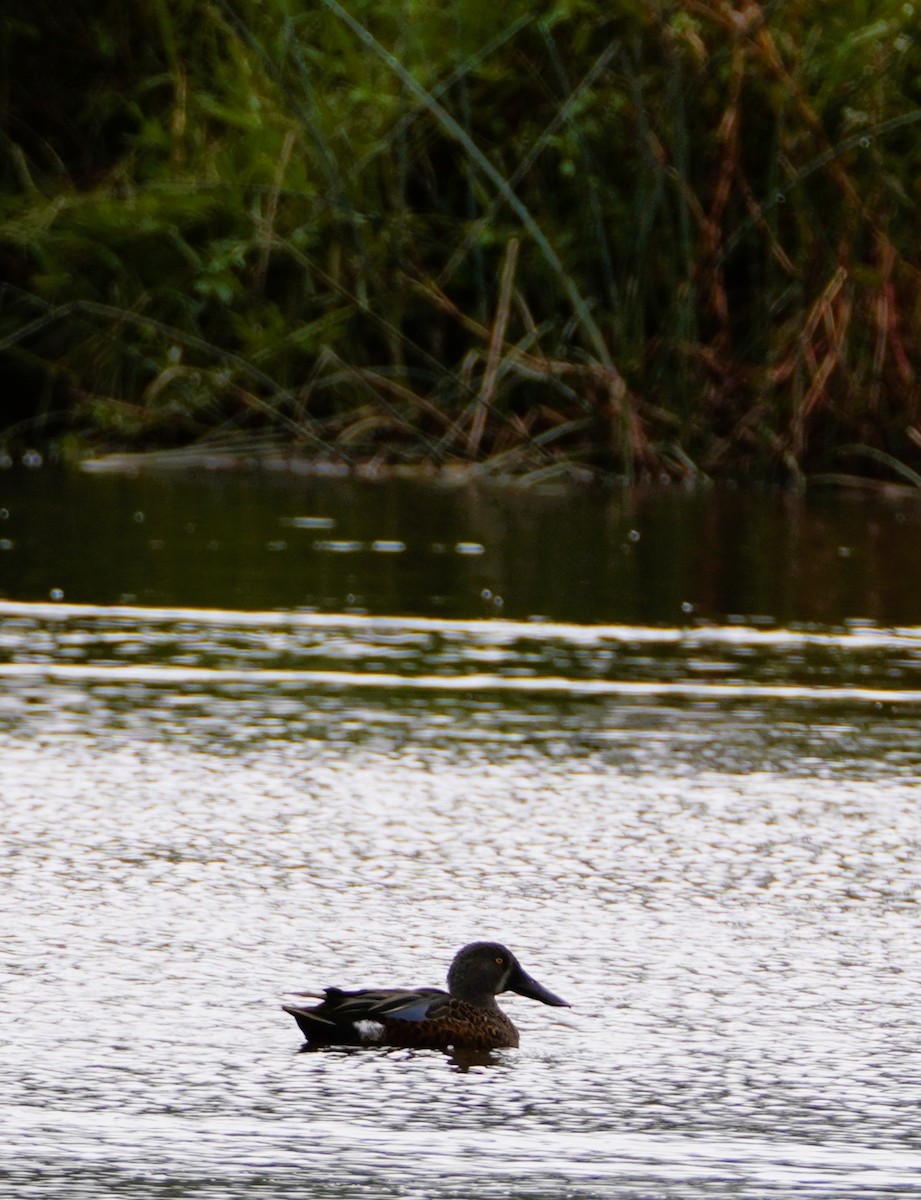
x=649 y=238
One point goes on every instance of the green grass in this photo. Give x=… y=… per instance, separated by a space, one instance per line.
x=652 y=240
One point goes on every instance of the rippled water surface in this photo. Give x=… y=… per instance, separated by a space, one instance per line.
x=706 y=837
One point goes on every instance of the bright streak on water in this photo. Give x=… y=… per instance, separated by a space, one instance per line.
x=464 y=683
x=493 y=630
x=706 y=839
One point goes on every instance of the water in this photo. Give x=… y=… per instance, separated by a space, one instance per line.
x=261 y=542
x=704 y=834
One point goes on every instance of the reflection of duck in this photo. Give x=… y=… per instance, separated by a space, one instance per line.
x=464 y=1017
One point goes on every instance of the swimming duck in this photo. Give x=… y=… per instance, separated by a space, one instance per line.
x=466 y=1016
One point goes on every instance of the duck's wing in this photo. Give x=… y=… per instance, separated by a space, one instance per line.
x=349 y=1018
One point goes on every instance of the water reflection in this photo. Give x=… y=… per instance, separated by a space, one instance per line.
x=462 y=1060
x=726 y=889
x=192 y=647
x=660 y=557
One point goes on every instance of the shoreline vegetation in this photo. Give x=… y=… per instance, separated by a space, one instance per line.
x=644 y=241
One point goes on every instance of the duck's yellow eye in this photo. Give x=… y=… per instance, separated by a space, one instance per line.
x=500 y=962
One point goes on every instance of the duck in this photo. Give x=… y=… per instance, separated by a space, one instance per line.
x=465 y=1017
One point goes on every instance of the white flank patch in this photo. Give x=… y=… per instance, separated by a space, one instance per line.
x=369 y=1031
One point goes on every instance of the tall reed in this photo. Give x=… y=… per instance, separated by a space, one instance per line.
x=663 y=240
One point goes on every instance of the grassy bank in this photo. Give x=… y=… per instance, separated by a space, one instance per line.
x=650 y=239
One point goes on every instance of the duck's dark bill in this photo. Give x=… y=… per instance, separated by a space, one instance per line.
x=522 y=983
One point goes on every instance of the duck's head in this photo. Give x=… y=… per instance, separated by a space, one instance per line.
x=482 y=970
